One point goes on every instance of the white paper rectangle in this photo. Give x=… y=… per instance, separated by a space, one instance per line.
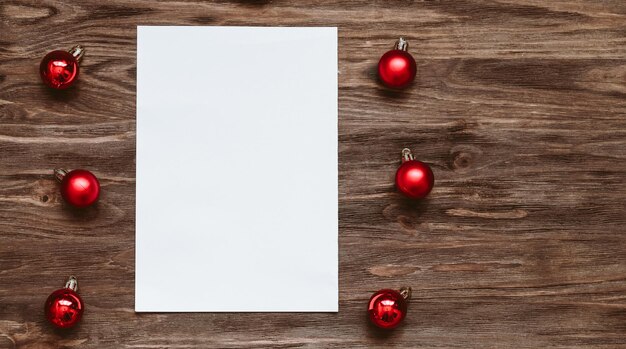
x=236 y=169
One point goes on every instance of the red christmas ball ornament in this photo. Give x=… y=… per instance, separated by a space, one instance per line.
x=387 y=308
x=414 y=178
x=59 y=69
x=64 y=307
x=397 y=67
x=80 y=188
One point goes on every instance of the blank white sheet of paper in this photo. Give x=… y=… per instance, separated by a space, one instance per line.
x=237 y=206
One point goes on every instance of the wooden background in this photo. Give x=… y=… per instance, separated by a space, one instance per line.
x=519 y=106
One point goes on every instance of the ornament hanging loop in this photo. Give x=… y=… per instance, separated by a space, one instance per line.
x=77 y=51
x=402 y=45
x=406 y=292
x=60 y=173
x=72 y=283
x=406 y=155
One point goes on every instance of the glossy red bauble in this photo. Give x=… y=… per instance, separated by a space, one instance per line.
x=387 y=308
x=80 y=188
x=64 y=307
x=397 y=67
x=414 y=178
x=59 y=69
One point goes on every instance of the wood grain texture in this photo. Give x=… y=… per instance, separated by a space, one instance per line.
x=520 y=107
